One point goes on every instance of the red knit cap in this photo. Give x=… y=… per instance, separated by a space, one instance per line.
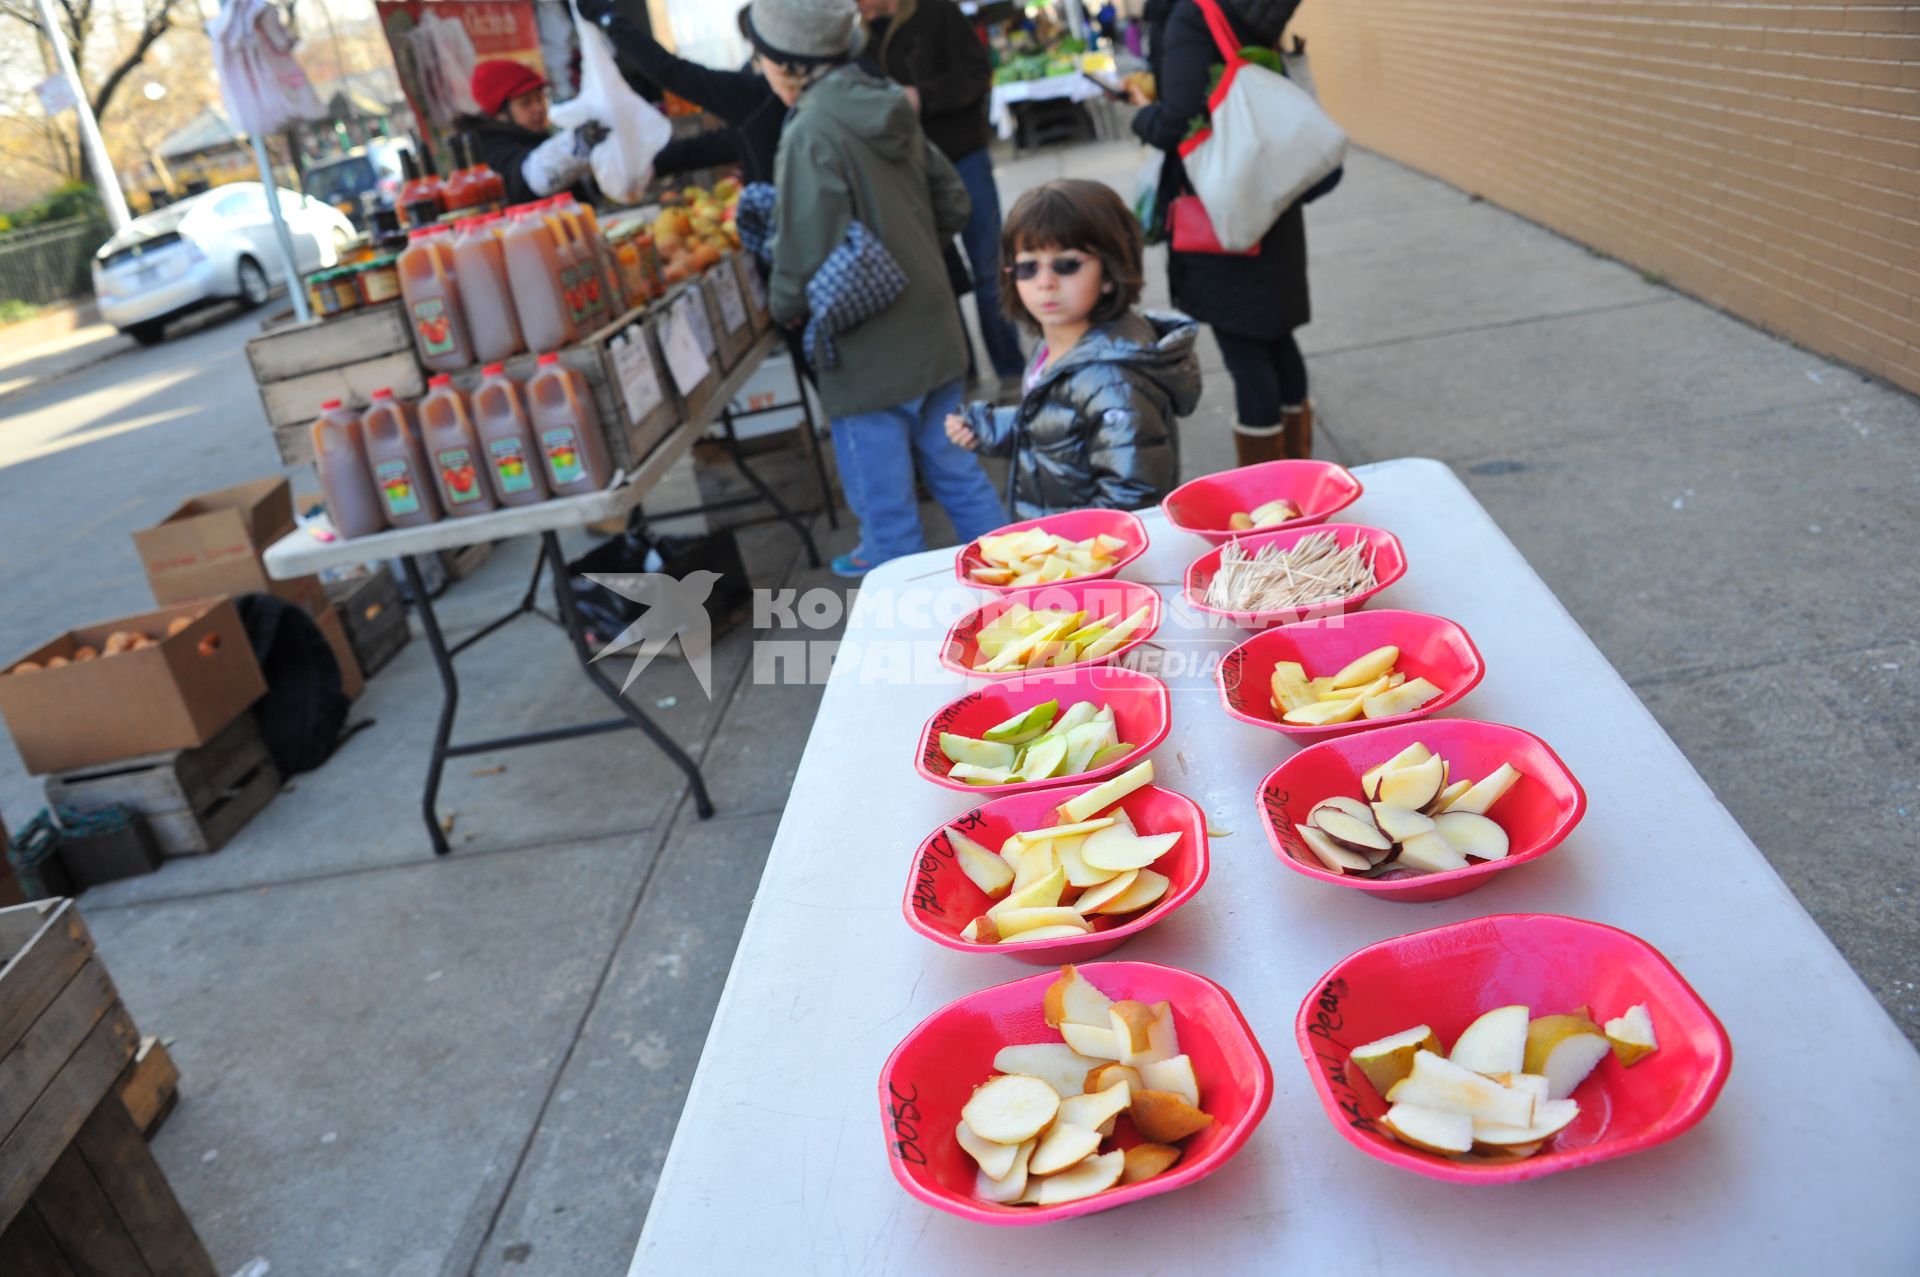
x=497 y=80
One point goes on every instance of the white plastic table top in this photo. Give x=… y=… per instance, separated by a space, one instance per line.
x=1806 y=1165
x=1074 y=87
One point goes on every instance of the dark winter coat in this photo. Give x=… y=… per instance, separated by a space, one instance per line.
x=743 y=99
x=1264 y=296
x=930 y=45
x=505 y=146
x=1098 y=429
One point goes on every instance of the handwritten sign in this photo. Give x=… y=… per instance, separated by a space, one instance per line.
x=733 y=307
x=1332 y=1052
x=685 y=362
x=1232 y=668
x=903 y=1119
x=945 y=719
x=639 y=379
x=692 y=309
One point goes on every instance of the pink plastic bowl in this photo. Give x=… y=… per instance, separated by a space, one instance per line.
x=1389 y=565
x=940 y=899
x=1538 y=812
x=1096 y=598
x=933 y=1071
x=1447 y=976
x=1075 y=525
x=1140 y=714
x=1431 y=647
x=1202 y=506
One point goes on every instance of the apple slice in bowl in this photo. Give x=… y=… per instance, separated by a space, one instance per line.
x=996 y=714
x=1447 y=978
x=1074 y=525
x=1206 y=506
x=1066 y=625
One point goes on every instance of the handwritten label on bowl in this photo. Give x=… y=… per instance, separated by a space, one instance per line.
x=1335 y=1054
x=903 y=1117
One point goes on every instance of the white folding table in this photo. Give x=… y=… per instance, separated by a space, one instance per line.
x=1807 y=1165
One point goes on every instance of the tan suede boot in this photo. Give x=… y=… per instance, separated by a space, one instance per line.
x=1298 y=425
x=1254 y=444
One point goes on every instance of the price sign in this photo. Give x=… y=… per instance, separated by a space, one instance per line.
x=692 y=308
x=688 y=366
x=639 y=379
x=733 y=307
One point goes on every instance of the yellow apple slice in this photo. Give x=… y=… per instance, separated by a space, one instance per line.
x=1094 y=898
x=1387 y=1060
x=1055 y=1063
x=1414 y=753
x=1432 y=1130
x=1414 y=786
x=1494 y=1043
x=983 y=868
x=1564 y=1049
x=1364 y=669
x=1094 y=1175
x=1058 y=931
x=1329 y=853
x=1092 y=1111
x=1091 y=1039
x=1030 y=862
x=1448 y=796
x=995 y=1160
x=1322 y=713
x=1147 y=887
x=1166 y=1118
x=1106 y=644
x=1122 y=849
x=1010 y=1187
x=981 y=931
x=1289 y=685
x=1472 y=835
x=1011 y=1108
x=1062 y=1146
x=1072 y=998
x=1079 y=872
x=1074 y=829
x=1404 y=699
x=1431 y=853
x=1017 y=924
x=1018 y=651
x=1144 y=1161
x=1486 y=792
x=1104 y=795
x=1042 y=893
x=1362 y=692
x=1631 y=1036
x=1175 y=1075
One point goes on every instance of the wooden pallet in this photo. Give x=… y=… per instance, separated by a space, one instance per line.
x=374 y=615
x=193 y=799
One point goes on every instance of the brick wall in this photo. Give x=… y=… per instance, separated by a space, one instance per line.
x=1764 y=157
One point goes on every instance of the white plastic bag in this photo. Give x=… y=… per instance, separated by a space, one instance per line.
x=1269 y=144
x=623 y=162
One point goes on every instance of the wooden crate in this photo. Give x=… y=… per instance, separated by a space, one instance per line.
x=150 y=1086
x=194 y=800
x=300 y=366
x=754 y=289
x=10 y=893
x=79 y=1190
x=727 y=314
x=375 y=616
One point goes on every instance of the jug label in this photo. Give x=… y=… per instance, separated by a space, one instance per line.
x=457 y=475
x=395 y=481
x=510 y=464
x=562 y=447
x=430 y=318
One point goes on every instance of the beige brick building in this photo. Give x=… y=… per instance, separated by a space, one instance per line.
x=1764 y=157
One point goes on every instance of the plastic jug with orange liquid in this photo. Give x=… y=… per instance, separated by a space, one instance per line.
x=420 y=196
x=486 y=298
x=340 y=459
x=453 y=449
x=431 y=291
x=538 y=262
x=568 y=429
x=399 y=466
x=506 y=438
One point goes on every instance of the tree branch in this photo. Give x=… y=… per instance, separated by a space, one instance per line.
x=158 y=24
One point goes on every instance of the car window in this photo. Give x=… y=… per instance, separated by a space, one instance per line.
x=341 y=181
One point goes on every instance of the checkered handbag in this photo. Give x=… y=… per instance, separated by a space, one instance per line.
x=753 y=218
x=858 y=280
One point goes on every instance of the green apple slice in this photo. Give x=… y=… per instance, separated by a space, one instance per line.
x=1111 y=754
x=981 y=753
x=973 y=775
x=1043 y=759
x=1025 y=725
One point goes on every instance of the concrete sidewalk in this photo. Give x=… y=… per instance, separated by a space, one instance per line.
x=397 y=1065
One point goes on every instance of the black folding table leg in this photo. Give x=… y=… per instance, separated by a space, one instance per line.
x=570 y=618
x=767 y=494
x=449 y=703
x=817 y=451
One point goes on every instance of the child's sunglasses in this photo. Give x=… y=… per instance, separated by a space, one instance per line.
x=1063 y=267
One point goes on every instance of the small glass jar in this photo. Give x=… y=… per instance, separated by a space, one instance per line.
x=378 y=280
x=322 y=297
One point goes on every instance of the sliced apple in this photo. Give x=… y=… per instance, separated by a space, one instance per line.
x=1122 y=849
x=1549 y=1119
x=1094 y=1175
x=1431 y=853
x=1290 y=688
x=1092 y=1111
x=1107 y=643
x=1447 y=796
x=1091 y=1039
x=1400 y=824
x=983 y=868
x=1472 y=835
x=1055 y=1063
x=1431 y=1130
x=995 y=1160
x=1176 y=1075
x=1358 y=835
x=1111 y=754
x=1074 y=829
x=1017 y=924
x=1322 y=713
x=1044 y=759
x=1414 y=753
x=981 y=931
x=1058 y=931
x=1165 y=1118
x=1494 y=1043
x=1147 y=887
x=1042 y=893
x=1144 y=1161
x=1024 y=726
x=1631 y=1036
x=1365 y=669
x=1362 y=692
x=1439 y=1083
x=1330 y=853
x=1071 y=998
x=1564 y=1049
x=1387 y=1060
x=1062 y=1146
x=1486 y=792
x=1351 y=806
x=1104 y=795
x=1011 y=1108
x=1012 y=1186
x=1404 y=699
x=975 y=775
x=1414 y=786
x=1095 y=898
x=981 y=753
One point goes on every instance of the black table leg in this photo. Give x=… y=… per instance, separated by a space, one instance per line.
x=570 y=619
x=816 y=450
x=767 y=494
x=449 y=703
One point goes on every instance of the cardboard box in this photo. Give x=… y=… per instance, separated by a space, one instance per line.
x=212 y=545
x=175 y=694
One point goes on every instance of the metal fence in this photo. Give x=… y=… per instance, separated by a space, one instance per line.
x=50 y=263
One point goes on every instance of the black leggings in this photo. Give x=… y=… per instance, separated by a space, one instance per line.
x=1266 y=372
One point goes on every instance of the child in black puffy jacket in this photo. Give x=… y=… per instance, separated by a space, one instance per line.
x=1096 y=425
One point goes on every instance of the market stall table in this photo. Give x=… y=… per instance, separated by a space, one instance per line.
x=299 y=554
x=1075 y=88
x=1806 y=1164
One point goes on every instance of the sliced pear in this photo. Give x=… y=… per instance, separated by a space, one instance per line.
x=1165 y=1118
x=1163 y=1041
x=1122 y=849
x=1018 y=924
x=995 y=1160
x=1358 y=835
x=1176 y=1075
x=1012 y=1186
x=1096 y=897
x=986 y=870
x=1365 y=669
x=1322 y=714
x=1055 y=1063
x=1011 y=1108
x=1387 y=1060
x=1071 y=998
x=1431 y=853
x=1062 y=1146
x=1144 y=1161
x=1564 y=1049
x=1486 y=792
x=1094 y=1175
x=1494 y=1043
x=1631 y=1036
x=1414 y=753
x=1147 y=887
x=1042 y=893
x=1432 y=1130
x=1439 y=1083
x=1024 y=726
x=1400 y=824
x=1091 y=1039
x=1549 y=1119
x=1331 y=854
x=1472 y=835
x=1528 y=1084
x=1131 y=1023
x=1103 y=1076
x=1414 y=786
x=1092 y=1111
x=1104 y=795
x=1404 y=699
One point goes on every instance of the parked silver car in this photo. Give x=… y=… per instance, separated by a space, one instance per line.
x=210 y=247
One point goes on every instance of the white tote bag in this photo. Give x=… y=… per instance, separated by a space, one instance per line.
x=1268 y=144
x=623 y=161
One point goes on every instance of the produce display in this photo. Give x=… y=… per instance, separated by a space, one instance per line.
x=1036 y=1128
x=1507 y=1086
x=1037 y=744
x=1368 y=687
x=115 y=644
x=1416 y=820
x=1271 y=579
x=1036 y=557
x=1023 y=638
x=1271 y=514
x=695 y=229
x=1052 y=882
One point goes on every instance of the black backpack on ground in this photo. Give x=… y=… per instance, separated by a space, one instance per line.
x=305 y=706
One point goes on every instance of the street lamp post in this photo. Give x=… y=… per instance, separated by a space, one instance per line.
x=90 y=140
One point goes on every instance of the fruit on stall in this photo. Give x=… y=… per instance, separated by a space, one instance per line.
x=1035 y=1130
x=1368 y=687
x=1041 y=743
x=695 y=229
x=1037 y=557
x=1418 y=821
x=1025 y=638
x=1271 y=514
x=1504 y=1090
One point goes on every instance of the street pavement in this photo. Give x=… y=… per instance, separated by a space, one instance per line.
x=397 y=1065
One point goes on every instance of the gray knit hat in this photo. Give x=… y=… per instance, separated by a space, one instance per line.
x=802 y=32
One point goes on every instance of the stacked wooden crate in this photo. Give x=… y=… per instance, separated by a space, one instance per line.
x=298 y=367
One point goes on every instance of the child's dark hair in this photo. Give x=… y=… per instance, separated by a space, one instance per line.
x=1075 y=215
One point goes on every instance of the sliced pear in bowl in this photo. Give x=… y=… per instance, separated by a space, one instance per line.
x=1631 y=1036
x=1389 y=1059
x=1431 y=1130
x=1564 y=1049
x=1011 y=1108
